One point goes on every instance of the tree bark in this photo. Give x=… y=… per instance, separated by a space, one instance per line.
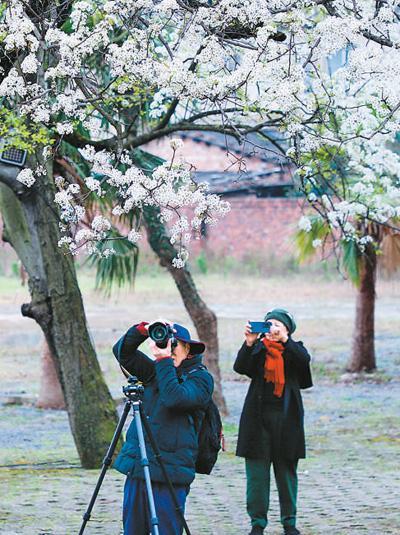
x=363 y=348
x=31 y=227
x=204 y=319
x=50 y=395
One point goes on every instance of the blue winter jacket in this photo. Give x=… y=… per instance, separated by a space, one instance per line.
x=172 y=398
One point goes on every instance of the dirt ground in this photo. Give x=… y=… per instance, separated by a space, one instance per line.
x=350 y=481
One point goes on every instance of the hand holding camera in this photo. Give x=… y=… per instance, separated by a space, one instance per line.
x=250 y=335
x=278 y=333
x=161 y=352
x=162 y=339
x=161 y=331
x=270 y=330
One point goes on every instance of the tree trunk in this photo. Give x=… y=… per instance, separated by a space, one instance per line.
x=363 y=349
x=31 y=226
x=50 y=395
x=204 y=319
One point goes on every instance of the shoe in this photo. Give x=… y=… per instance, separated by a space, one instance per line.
x=256 y=530
x=291 y=530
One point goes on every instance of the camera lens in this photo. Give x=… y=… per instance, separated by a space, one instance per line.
x=159 y=332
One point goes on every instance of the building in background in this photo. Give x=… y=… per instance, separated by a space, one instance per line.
x=257 y=182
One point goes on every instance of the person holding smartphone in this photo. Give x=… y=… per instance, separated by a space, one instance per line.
x=271 y=427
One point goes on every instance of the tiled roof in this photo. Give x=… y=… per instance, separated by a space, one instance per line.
x=255 y=146
x=274 y=182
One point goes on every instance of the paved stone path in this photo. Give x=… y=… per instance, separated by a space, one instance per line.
x=350 y=482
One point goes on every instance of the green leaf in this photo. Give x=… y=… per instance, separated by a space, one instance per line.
x=304 y=240
x=118 y=269
x=351 y=260
x=146 y=161
x=80 y=164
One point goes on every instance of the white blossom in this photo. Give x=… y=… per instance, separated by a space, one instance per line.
x=64 y=128
x=13 y=85
x=134 y=236
x=26 y=177
x=84 y=235
x=178 y=262
x=305 y=223
x=108 y=252
x=93 y=185
x=100 y=224
x=74 y=189
x=30 y=64
x=328 y=82
x=176 y=143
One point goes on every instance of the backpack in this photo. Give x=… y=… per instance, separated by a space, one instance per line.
x=210 y=436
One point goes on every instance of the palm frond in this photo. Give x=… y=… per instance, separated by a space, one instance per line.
x=389 y=257
x=73 y=155
x=305 y=240
x=351 y=260
x=121 y=267
x=117 y=269
x=146 y=161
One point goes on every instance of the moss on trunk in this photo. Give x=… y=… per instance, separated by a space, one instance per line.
x=31 y=226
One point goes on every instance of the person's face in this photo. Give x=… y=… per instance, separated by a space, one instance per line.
x=180 y=353
x=278 y=329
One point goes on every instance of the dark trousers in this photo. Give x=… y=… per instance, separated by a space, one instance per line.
x=136 y=514
x=258 y=484
x=258 y=473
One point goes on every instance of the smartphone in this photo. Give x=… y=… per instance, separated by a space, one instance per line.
x=260 y=326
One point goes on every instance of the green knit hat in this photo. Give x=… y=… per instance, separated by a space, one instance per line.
x=284 y=316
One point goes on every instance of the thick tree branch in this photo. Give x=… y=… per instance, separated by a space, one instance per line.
x=8 y=176
x=237 y=131
x=171 y=110
x=384 y=41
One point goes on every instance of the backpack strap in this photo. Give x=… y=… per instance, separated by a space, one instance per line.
x=197 y=414
x=184 y=376
x=199 y=367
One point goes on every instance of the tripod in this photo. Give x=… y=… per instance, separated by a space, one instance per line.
x=133 y=393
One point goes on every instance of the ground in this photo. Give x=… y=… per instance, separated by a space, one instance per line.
x=349 y=482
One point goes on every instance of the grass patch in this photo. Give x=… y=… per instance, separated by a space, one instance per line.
x=324 y=370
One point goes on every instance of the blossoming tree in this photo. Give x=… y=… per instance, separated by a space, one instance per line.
x=93 y=82
x=362 y=230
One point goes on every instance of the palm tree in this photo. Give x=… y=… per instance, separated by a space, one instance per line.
x=361 y=268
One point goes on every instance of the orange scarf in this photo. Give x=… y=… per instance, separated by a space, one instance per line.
x=274 y=366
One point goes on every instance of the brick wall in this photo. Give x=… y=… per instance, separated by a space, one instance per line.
x=254 y=227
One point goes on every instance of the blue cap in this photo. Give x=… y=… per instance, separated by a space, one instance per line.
x=182 y=334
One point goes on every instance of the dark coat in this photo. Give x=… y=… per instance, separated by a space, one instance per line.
x=169 y=404
x=250 y=361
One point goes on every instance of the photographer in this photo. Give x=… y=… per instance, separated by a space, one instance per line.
x=176 y=387
x=271 y=425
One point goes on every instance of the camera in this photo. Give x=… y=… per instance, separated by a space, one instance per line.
x=134 y=389
x=260 y=326
x=161 y=333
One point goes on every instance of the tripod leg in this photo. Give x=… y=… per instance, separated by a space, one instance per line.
x=106 y=463
x=164 y=471
x=145 y=464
